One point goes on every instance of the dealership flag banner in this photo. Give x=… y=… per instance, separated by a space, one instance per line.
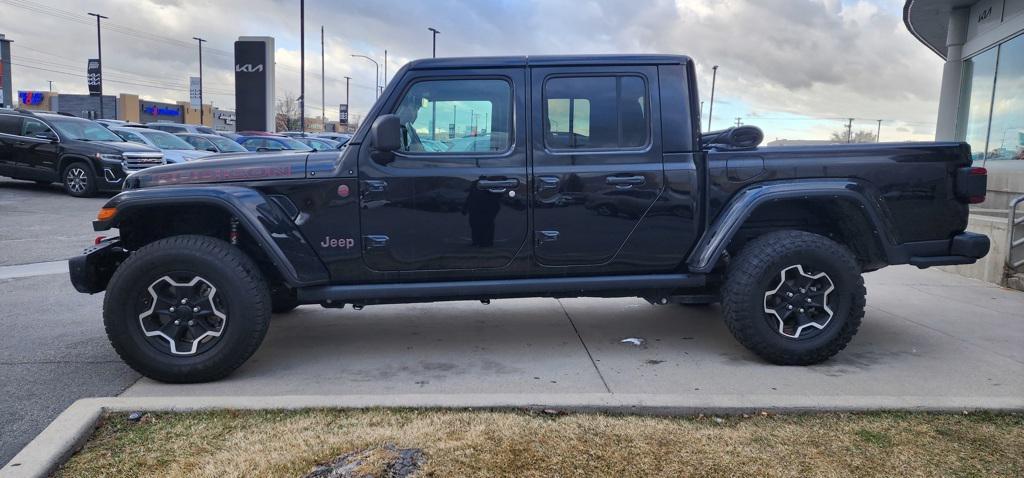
x=343 y=114
x=94 y=77
x=195 y=92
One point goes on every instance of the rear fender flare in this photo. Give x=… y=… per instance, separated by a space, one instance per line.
x=275 y=233
x=719 y=234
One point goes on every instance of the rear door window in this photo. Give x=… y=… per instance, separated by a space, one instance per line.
x=596 y=112
x=10 y=124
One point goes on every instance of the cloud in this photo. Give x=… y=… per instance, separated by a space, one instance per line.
x=812 y=58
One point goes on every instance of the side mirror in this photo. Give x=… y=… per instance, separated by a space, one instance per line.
x=386 y=133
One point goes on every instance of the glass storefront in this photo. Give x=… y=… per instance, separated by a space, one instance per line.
x=991 y=115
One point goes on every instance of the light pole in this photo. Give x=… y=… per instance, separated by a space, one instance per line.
x=99 y=51
x=434 y=33
x=51 y=85
x=376 y=85
x=323 y=79
x=711 y=106
x=384 y=81
x=202 y=115
x=302 y=66
x=878 y=135
x=348 y=107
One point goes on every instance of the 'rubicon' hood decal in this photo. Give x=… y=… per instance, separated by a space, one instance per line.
x=214 y=169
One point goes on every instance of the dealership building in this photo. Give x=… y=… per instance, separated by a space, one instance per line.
x=982 y=102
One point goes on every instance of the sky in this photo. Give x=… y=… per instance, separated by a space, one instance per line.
x=796 y=68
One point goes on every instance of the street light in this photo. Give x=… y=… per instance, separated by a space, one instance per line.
x=202 y=119
x=376 y=84
x=99 y=51
x=711 y=106
x=434 y=35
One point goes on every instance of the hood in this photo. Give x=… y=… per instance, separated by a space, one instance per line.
x=123 y=147
x=242 y=167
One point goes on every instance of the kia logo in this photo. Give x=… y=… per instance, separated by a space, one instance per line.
x=248 y=68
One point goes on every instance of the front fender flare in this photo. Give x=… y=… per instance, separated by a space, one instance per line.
x=264 y=221
x=719 y=234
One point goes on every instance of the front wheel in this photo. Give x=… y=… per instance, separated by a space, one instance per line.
x=794 y=298
x=186 y=309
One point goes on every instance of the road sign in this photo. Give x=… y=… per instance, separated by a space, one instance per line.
x=195 y=92
x=343 y=114
x=94 y=77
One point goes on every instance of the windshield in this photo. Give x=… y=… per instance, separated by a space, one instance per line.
x=165 y=140
x=83 y=130
x=226 y=145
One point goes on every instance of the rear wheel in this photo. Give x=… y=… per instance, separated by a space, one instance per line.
x=79 y=180
x=794 y=298
x=186 y=309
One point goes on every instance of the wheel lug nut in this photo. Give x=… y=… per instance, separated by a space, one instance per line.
x=177 y=322
x=192 y=322
x=801 y=310
x=803 y=290
x=808 y=300
x=789 y=294
x=184 y=301
x=171 y=309
x=196 y=309
x=790 y=306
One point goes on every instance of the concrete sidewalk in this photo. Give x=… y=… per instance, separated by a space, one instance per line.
x=926 y=334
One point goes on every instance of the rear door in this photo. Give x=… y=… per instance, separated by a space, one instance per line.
x=37 y=156
x=454 y=196
x=597 y=169
x=10 y=130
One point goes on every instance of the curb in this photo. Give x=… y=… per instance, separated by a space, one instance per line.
x=74 y=426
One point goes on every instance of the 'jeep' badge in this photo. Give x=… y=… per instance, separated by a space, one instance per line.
x=337 y=242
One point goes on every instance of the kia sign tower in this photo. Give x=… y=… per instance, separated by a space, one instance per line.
x=254 y=84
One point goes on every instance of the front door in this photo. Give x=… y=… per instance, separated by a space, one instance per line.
x=455 y=195
x=597 y=169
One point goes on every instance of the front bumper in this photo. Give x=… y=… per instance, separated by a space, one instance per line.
x=964 y=248
x=92 y=270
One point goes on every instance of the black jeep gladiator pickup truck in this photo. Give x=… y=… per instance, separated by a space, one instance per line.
x=488 y=178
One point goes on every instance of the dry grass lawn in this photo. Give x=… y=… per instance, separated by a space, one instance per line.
x=484 y=443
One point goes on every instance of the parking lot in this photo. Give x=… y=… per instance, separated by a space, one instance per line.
x=926 y=334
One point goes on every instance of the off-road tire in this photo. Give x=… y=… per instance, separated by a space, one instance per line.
x=87 y=176
x=240 y=285
x=764 y=258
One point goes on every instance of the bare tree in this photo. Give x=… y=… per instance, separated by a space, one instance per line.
x=862 y=136
x=287 y=118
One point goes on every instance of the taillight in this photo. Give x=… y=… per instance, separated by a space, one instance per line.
x=971 y=184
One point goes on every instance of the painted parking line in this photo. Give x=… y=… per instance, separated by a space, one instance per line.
x=35 y=269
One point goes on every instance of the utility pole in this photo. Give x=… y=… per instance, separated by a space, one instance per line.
x=739 y=121
x=711 y=107
x=99 y=56
x=323 y=80
x=202 y=113
x=302 y=66
x=51 y=85
x=878 y=135
x=434 y=33
x=384 y=82
x=849 y=130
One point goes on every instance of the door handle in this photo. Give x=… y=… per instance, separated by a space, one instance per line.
x=625 y=182
x=497 y=185
x=375 y=186
x=547 y=182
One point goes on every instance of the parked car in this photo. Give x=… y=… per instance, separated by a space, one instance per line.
x=780 y=236
x=175 y=149
x=83 y=155
x=112 y=123
x=229 y=135
x=320 y=144
x=181 y=128
x=339 y=137
x=272 y=143
x=294 y=134
x=211 y=142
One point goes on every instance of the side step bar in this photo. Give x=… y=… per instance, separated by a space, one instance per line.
x=495 y=289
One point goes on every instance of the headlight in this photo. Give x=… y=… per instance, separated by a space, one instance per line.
x=109 y=157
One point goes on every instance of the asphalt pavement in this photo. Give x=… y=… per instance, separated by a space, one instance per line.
x=926 y=334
